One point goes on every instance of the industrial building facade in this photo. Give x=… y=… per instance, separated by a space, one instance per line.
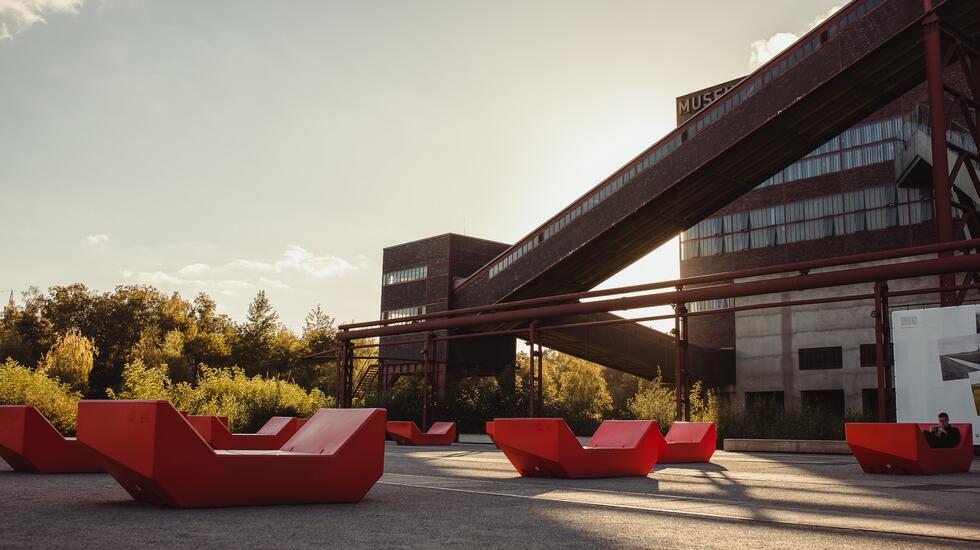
x=846 y=197
x=818 y=154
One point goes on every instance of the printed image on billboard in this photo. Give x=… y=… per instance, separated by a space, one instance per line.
x=937 y=364
x=959 y=356
x=976 y=397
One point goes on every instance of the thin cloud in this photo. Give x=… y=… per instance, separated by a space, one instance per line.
x=764 y=49
x=296 y=268
x=299 y=260
x=194 y=269
x=274 y=283
x=16 y=16
x=94 y=240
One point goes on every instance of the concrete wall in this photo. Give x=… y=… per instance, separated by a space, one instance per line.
x=768 y=341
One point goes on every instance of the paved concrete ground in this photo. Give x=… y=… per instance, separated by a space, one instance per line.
x=469 y=495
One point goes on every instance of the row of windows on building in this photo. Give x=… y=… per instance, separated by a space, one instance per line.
x=732 y=100
x=405 y=275
x=827 y=216
x=864 y=145
x=831 y=401
x=878 y=141
x=403 y=312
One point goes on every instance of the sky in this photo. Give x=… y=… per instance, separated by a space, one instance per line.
x=229 y=147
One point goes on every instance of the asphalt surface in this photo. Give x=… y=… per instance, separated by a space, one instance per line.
x=469 y=495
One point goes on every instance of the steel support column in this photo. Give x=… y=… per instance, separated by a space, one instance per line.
x=426 y=367
x=880 y=314
x=682 y=401
x=942 y=191
x=685 y=373
x=535 y=370
x=345 y=374
x=889 y=352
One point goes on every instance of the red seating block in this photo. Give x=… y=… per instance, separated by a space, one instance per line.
x=900 y=448
x=489 y=429
x=157 y=456
x=688 y=442
x=29 y=443
x=546 y=447
x=407 y=433
x=276 y=431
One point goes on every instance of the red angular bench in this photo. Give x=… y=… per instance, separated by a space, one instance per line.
x=408 y=433
x=158 y=457
x=546 y=447
x=29 y=443
x=901 y=448
x=688 y=442
x=276 y=431
x=489 y=429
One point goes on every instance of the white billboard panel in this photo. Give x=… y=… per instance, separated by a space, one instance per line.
x=937 y=365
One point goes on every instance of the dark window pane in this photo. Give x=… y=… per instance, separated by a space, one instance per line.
x=821 y=358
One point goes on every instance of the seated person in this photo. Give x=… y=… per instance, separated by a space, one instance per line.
x=942 y=436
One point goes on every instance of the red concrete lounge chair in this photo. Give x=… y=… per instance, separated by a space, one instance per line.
x=902 y=449
x=688 y=442
x=276 y=431
x=155 y=454
x=546 y=447
x=29 y=443
x=407 y=433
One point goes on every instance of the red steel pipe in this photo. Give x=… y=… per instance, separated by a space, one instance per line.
x=701 y=279
x=902 y=270
x=937 y=125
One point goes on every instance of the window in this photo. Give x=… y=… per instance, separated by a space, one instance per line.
x=403 y=312
x=869 y=355
x=823 y=401
x=405 y=275
x=869 y=402
x=765 y=400
x=708 y=305
x=821 y=358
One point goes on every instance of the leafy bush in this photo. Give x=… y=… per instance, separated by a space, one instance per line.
x=20 y=385
x=656 y=401
x=771 y=421
x=575 y=390
x=70 y=359
x=248 y=402
x=143 y=382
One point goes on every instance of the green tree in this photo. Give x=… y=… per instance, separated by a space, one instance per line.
x=253 y=349
x=70 y=360
x=319 y=333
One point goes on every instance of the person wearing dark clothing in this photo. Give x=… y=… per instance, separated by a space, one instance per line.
x=943 y=436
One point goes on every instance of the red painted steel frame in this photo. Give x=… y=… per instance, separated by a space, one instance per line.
x=902 y=449
x=546 y=447
x=276 y=431
x=155 y=454
x=29 y=443
x=688 y=442
x=347 y=333
x=407 y=433
x=807 y=281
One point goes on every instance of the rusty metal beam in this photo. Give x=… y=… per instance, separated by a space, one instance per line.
x=698 y=280
x=920 y=268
